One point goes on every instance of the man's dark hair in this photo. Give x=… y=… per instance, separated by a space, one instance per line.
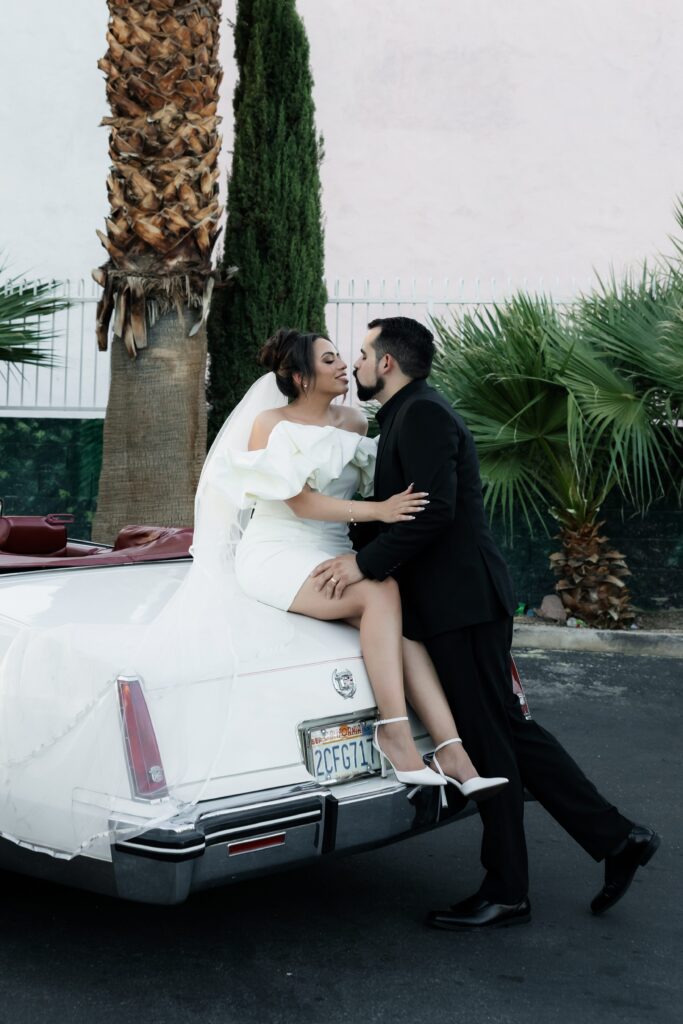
x=409 y=342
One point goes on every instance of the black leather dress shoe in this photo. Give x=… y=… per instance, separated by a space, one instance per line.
x=641 y=845
x=476 y=913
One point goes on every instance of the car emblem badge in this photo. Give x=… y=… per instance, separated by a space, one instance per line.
x=343 y=682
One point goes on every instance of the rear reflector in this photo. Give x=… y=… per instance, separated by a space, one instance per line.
x=258 y=843
x=144 y=760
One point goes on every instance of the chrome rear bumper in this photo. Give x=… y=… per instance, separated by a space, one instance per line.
x=259 y=833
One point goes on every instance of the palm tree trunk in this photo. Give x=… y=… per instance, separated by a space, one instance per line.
x=154 y=430
x=592 y=574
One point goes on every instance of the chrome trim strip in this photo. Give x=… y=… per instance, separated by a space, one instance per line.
x=302 y=664
x=263 y=824
x=90 y=565
x=264 y=803
x=172 y=850
x=362 y=798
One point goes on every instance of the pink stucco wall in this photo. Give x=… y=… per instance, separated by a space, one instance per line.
x=463 y=138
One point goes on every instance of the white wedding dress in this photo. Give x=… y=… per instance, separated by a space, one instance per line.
x=278 y=549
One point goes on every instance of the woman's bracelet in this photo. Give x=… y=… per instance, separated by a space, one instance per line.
x=351 y=518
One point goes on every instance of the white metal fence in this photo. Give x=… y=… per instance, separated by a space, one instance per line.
x=78 y=384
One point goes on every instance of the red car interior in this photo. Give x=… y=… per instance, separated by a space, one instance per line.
x=41 y=542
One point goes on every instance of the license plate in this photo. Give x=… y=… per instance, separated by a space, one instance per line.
x=341 y=750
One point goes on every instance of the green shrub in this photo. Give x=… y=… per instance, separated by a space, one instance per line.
x=51 y=465
x=274 y=236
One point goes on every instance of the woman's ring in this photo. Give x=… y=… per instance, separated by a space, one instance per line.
x=332 y=580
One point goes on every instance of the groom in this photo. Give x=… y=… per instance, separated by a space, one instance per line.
x=457 y=599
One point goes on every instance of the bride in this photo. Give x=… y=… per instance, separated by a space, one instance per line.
x=305 y=459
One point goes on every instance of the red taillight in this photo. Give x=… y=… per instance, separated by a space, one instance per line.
x=144 y=760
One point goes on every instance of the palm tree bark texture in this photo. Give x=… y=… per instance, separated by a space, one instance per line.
x=162 y=77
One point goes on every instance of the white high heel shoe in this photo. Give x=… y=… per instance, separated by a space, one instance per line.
x=478 y=788
x=420 y=777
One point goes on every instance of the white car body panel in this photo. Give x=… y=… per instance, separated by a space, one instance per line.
x=272 y=695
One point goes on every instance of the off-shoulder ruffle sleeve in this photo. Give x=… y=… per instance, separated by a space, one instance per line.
x=296 y=454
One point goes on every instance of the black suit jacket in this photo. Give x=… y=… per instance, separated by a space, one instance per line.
x=446 y=562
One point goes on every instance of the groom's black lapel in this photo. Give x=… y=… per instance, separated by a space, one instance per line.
x=386 y=417
x=380 y=451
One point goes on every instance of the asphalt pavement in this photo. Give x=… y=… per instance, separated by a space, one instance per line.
x=344 y=940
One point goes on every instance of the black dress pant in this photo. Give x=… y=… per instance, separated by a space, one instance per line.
x=473 y=664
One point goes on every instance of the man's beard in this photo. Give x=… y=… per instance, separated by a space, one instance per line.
x=366 y=394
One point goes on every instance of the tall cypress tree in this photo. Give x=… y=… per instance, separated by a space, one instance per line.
x=274 y=234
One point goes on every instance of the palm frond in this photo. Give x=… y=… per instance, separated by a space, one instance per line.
x=498 y=368
x=564 y=407
x=511 y=487
x=627 y=373
x=638 y=324
x=26 y=308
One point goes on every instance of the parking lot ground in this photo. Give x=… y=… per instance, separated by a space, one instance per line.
x=344 y=941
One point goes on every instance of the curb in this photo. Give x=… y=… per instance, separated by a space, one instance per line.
x=598 y=641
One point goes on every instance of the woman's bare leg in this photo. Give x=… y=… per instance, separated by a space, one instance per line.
x=425 y=695
x=377 y=609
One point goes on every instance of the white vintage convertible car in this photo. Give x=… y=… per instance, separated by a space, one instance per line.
x=117 y=781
